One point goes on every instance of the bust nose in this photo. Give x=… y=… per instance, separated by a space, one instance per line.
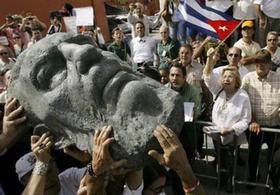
x=82 y=56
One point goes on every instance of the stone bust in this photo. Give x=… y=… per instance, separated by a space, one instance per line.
x=73 y=88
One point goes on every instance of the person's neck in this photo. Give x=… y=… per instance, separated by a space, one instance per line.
x=118 y=42
x=234 y=65
x=186 y=63
x=140 y=16
x=6 y=60
x=178 y=89
x=229 y=92
x=263 y=76
x=247 y=40
x=272 y=49
x=164 y=41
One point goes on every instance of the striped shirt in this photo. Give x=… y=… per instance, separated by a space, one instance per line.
x=264 y=94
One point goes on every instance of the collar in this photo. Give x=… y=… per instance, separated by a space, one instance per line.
x=141 y=39
x=180 y=90
x=167 y=42
x=263 y=78
x=245 y=43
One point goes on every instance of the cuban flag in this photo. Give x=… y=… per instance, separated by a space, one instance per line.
x=206 y=20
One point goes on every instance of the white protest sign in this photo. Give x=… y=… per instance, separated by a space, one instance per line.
x=70 y=24
x=84 y=16
x=188 y=111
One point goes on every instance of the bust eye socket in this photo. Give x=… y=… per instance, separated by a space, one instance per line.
x=51 y=72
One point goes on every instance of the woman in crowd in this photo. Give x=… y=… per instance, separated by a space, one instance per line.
x=231 y=111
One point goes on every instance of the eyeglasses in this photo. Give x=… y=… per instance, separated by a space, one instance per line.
x=4 y=53
x=272 y=40
x=233 y=54
x=16 y=37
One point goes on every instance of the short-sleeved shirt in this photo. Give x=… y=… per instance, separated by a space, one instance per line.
x=168 y=50
x=275 y=58
x=248 y=50
x=70 y=180
x=264 y=94
x=270 y=7
x=194 y=74
x=244 y=10
x=120 y=50
x=142 y=49
x=217 y=72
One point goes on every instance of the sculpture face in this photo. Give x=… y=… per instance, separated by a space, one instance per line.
x=67 y=84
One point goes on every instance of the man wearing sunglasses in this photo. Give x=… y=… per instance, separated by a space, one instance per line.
x=6 y=62
x=274 y=50
x=5 y=59
x=233 y=57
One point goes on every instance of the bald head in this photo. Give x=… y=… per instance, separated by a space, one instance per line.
x=234 y=56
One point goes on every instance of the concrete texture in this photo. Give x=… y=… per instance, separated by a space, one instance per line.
x=70 y=88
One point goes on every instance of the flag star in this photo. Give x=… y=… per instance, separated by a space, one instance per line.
x=223 y=28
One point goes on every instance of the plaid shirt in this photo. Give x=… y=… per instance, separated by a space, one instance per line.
x=264 y=94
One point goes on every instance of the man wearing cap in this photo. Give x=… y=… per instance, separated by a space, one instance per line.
x=263 y=88
x=247 y=45
x=37 y=171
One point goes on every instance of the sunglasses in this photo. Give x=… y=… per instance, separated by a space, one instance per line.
x=272 y=40
x=235 y=55
x=16 y=37
x=4 y=53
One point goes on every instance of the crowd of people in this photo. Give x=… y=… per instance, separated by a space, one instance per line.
x=234 y=84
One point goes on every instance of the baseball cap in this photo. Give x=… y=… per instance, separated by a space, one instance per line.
x=25 y=164
x=247 y=23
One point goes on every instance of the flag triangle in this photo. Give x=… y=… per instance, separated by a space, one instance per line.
x=223 y=27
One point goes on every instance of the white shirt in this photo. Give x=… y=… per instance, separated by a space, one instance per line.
x=70 y=180
x=221 y=5
x=143 y=49
x=234 y=113
x=138 y=191
x=244 y=10
x=270 y=7
x=248 y=50
x=217 y=72
x=1 y=190
x=8 y=65
x=276 y=56
x=133 y=18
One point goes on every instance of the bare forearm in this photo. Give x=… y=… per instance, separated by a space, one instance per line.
x=247 y=60
x=35 y=186
x=188 y=180
x=208 y=67
x=259 y=12
x=5 y=142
